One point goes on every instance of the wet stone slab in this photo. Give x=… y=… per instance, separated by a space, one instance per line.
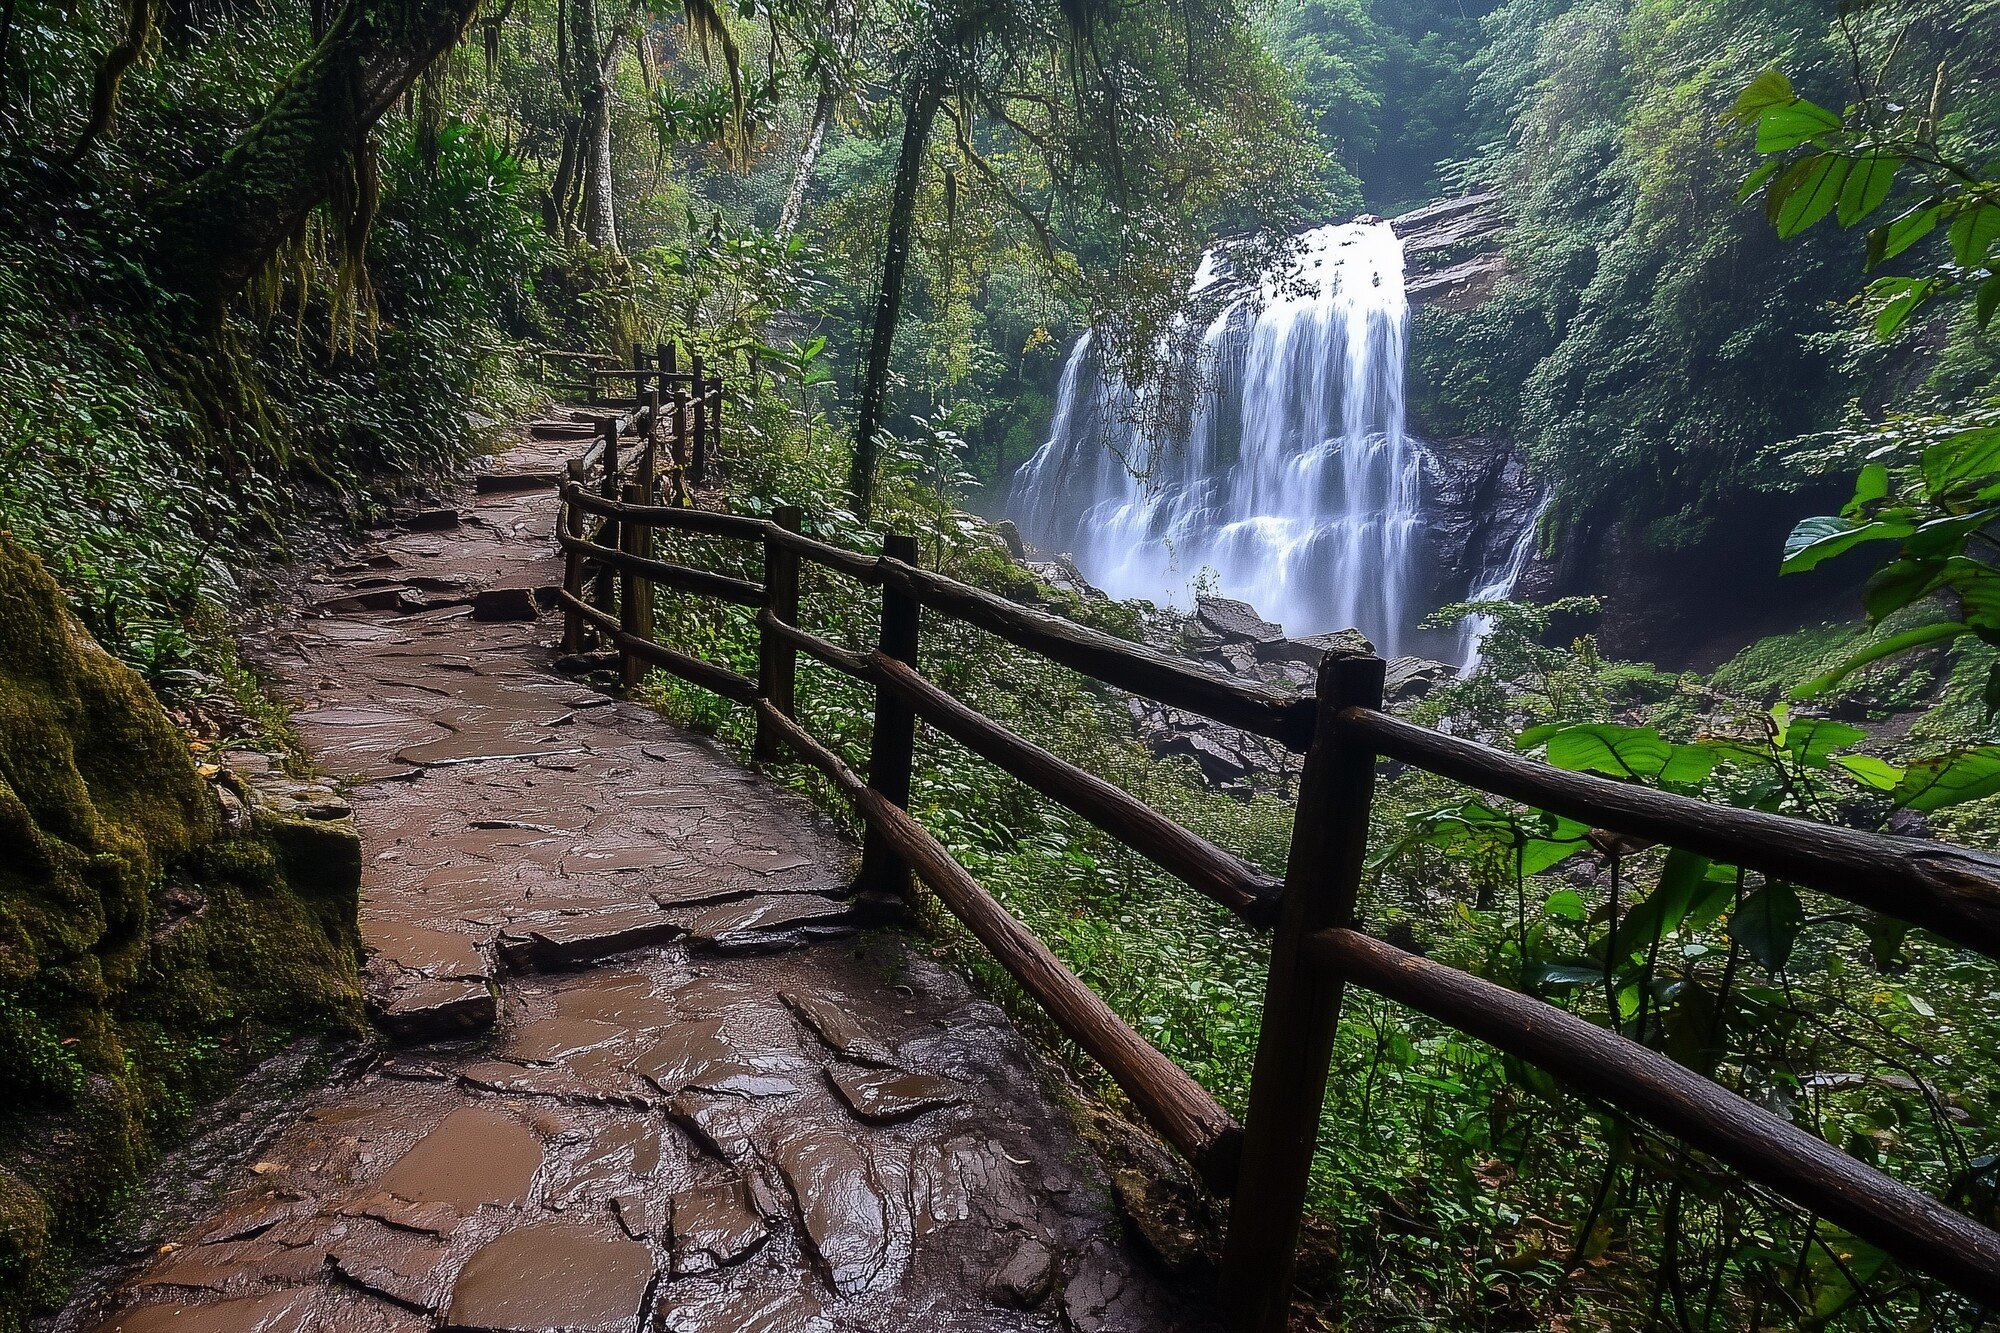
x=664 y=1074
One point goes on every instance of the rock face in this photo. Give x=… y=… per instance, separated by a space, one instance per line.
x=1451 y=252
x=1479 y=499
x=141 y=909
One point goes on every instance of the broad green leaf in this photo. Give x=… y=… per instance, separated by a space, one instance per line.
x=1897 y=312
x=1867 y=186
x=1609 y=747
x=1789 y=124
x=1819 y=539
x=1566 y=974
x=1535 y=735
x=1987 y=300
x=1897 y=584
x=1885 y=243
x=1755 y=180
x=1948 y=779
x=1939 y=537
x=1564 y=905
x=1683 y=882
x=1973 y=232
x=1875 y=652
x=1869 y=771
x=1563 y=839
x=1767 y=925
x=1807 y=192
x=1962 y=462
x=1769 y=89
x=1871 y=485
x=1978 y=589
x=1811 y=740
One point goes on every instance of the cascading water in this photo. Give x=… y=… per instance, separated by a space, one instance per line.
x=1293 y=486
x=1498 y=587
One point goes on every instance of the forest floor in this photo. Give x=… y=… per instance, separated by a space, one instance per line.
x=650 y=1064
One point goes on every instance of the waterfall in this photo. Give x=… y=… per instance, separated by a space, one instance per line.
x=1292 y=485
x=1498 y=586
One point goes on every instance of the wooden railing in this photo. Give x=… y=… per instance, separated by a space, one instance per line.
x=1317 y=948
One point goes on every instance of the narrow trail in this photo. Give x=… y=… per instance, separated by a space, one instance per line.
x=657 y=1069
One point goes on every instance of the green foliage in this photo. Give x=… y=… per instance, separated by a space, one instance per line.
x=1845 y=163
x=1936 y=511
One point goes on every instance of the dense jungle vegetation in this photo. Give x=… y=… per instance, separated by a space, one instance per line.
x=265 y=261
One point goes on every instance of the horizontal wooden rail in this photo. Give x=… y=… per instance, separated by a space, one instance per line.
x=1229 y=880
x=1950 y=890
x=703 y=521
x=718 y=680
x=1915 y=1228
x=670 y=376
x=699 y=581
x=866 y=568
x=1177 y=1106
x=1130 y=666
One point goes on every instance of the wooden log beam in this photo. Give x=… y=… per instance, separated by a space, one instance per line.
x=718 y=680
x=681 y=578
x=704 y=521
x=1178 y=1107
x=1949 y=890
x=1223 y=876
x=1906 y=1223
x=1129 y=666
x=855 y=565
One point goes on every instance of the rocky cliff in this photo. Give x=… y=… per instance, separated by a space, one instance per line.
x=1451 y=250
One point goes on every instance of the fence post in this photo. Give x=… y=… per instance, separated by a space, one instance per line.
x=635 y=600
x=680 y=447
x=1301 y=1006
x=715 y=418
x=649 y=450
x=639 y=378
x=698 y=446
x=777 y=660
x=670 y=359
x=572 y=519
x=893 y=750
x=608 y=534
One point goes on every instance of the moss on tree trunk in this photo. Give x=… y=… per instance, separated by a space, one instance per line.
x=221 y=228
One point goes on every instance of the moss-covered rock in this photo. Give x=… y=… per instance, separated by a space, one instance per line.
x=140 y=947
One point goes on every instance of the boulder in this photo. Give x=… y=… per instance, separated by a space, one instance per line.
x=1408 y=678
x=1236 y=621
x=1308 y=651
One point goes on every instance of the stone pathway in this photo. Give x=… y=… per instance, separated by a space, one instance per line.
x=657 y=1069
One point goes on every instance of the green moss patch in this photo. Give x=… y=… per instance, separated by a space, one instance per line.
x=143 y=953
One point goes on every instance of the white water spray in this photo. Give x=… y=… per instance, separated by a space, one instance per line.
x=1498 y=588
x=1294 y=483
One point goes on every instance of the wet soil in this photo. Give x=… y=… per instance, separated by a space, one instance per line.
x=653 y=1066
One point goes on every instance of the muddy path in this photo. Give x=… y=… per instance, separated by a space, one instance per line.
x=648 y=1065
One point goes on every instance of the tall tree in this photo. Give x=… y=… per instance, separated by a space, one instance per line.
x=309 y=147
x=1123 y=137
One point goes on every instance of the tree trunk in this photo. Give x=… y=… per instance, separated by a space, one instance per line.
x=221 y=228
x=920 y=107
x=594 y=60
x=802 y=173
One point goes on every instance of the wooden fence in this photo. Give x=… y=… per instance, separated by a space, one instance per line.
x=1317 y=950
